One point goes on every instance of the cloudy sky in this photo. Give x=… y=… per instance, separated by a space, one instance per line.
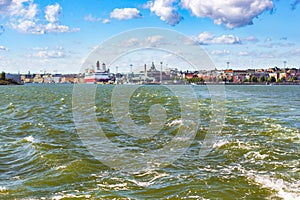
x=56 y=36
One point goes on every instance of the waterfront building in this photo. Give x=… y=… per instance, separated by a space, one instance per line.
x=155 y=74
x=14 y=77
x=47 y=78
x=69 y=78
x=56 y=78
x=38 y=78
x=238 y=76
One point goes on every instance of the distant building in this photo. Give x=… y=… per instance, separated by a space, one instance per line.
x=69 y=78
x=239 y=76
x=14 y=77
x=56 y=78
x=155 y=74
x=27 y=78
x=48 y=78
x=38 y=78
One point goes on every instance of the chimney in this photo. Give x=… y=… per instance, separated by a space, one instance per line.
x=98 y=66
x=145 y=70
x=103 y=67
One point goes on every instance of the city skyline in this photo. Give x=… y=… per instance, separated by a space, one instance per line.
x=58 y=36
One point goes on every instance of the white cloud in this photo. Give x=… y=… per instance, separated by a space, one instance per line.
x=105 y=21
x=206 y=38
x=232 y=13
x=291 y=53
x=24 y=9
x=3 y=48
x=151 y=41
x=165 y=10
x=28 y=26
x=270 y=43
x=4 y=4
x=251 y=39
x=277 y=44
x=52 y=13
x=154 y=40
x=46 y=52
x=91 y=18
x=220 y=52
x=268 y=40
x=57 y=28
x=59 y=48
x=266 y=55
x=243 y=53
x=22 y=15
x=39 y=48
x=49 y=54
x=131 y=42
x=125 y=13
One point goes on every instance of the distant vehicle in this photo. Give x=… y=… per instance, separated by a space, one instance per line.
x=97 y=75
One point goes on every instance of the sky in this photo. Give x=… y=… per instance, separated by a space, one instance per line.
x=57 y=36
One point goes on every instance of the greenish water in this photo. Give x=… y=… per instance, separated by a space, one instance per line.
x=257 y=155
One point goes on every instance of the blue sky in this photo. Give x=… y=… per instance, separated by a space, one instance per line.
x=56 y=36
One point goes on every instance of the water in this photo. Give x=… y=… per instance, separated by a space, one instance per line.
x=255 y=157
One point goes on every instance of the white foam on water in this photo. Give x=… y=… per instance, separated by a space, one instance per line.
x=283 y=132
x=175 y=122
x=16 y=178
x=148 y=183
x=11 y=105
x=244 y=145
x=3 y=189
x=139 y=174
x=194 y=197
x=255 y=155
x=284 y=189
x=141 y=184
x=29 y=139
x=118 y=186
x=60 y=167
x=220 y=143
x=113 y=185
x=73 y=196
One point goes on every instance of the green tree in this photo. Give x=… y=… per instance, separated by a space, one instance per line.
x=272 y=79
x=2 y=76
x=253 y=79
x=292 y=78
x=219 y=79
x=261 y=79
x=195 y=80
x=282 y=79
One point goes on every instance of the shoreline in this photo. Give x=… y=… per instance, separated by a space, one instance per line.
x=203 y=83
x=266 y=83
x=9 y=82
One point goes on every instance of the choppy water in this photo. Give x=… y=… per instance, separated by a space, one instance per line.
x=256 y=156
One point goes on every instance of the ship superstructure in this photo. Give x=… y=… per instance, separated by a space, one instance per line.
x=98 y=74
